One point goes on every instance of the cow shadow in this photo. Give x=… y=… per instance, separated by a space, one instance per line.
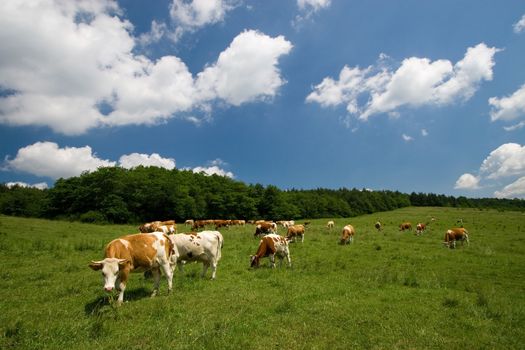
x=103 y=304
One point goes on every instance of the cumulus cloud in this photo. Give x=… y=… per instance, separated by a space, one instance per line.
x=508 y=108
x=47 y=159
x=407 y=138
x=504 y=164
x=40 y=185
x=520 y=25
x=133 y=160
x=214 y=167
x=467 y=182
x=71 y=66
x=513 y=190
x=506 y=160
x=198 y=13
x=246 y=70
x=313 y=4
x=416 y=82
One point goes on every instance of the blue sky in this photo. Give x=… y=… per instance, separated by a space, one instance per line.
x=424 y=96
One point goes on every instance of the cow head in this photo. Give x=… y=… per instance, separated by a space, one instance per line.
x=110 y=270
x=254 y=261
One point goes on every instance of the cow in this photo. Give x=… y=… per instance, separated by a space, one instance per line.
x=455 y=234
x=420 y=227
x=265 y=228
x=347 y=236
x=202 y=246
x=330 y=225
x=167 y=229
x=197 y=224
x=135 y=253
x=295 y=231
x=222 y=223
x=189 y=222
x=271 y=245
x=378 y=226
x=405 y=226
x=149 y=227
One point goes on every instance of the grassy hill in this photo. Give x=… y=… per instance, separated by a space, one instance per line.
x=387 y=290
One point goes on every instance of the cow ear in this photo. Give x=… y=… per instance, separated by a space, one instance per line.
x=95 y=265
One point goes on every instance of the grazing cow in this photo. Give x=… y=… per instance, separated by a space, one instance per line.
x=295 y=231
x=348 y=234
x=222 y=223
x=420 y=227
x=265 y=228
x=378 y=226
x=405 y=226
x=149 y=227
x=135 y=253
x=197 y=224
x=330 y=225
x=455 y=234
x=202 y=246
x=271 y=245
x=189 y=222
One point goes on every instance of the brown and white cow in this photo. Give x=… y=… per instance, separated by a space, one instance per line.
x=378 y=226
x=135 y=253
x=202 y=246
x=347 y=236
x=455 y=234
x=264 y=228
x=149 y=227
x=269 y=246
x=405 y=226
x=294 y=232
x=420 y=227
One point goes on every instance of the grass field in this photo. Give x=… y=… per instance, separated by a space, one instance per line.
x=388 y=290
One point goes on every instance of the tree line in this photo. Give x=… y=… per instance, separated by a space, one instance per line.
x=142 y=194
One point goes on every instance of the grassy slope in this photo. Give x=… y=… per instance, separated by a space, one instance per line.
x=387 y=290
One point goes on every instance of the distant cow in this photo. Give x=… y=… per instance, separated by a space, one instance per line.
x=134 y=253
x=197 y=224
x=420 y=227
x=378 y=226
x=265 y=228
x=294 y=232
x=149 y=227
x=455 y=234
x=271 y=245
x=202 y=246
x=405 y=226
x=330 y=225
x=347 y=236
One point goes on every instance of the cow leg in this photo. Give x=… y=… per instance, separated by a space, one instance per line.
x=302 y=238
x=166 y=268
x=205 y=266
x=272 y=260
x=156 y=281
x=213 y=269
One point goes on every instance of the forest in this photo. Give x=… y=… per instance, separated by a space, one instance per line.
x=142 y=194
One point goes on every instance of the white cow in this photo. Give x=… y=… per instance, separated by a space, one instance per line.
x=202 y=246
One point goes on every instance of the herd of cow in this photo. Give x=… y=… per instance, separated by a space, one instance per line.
x=158 y=248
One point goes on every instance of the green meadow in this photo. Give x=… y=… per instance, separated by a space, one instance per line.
x=387 y=290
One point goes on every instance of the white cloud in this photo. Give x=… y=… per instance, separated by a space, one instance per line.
x=506 y=160
x=520 y=25
x=65 y=60
x=508 y=108
x=407 y=138
x=504 y=164
x=417 y=82
x=246 y=70
x=213 y=170
x=424 y=132
x=515 y=126
x=467 y=182
x=40 y=185
x=132 y=160
x=47 y=159
x=313 y=4
x=198 y=13
x=514 y=190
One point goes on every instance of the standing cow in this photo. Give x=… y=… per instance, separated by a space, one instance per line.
x=330 y=225
x=455 y=234
x=264 y=228
x=202 y=246
x=135 y=253
x=294 y=232
x=347 y=236
x=271 y=245
x=378 y=226
x=405 y=226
